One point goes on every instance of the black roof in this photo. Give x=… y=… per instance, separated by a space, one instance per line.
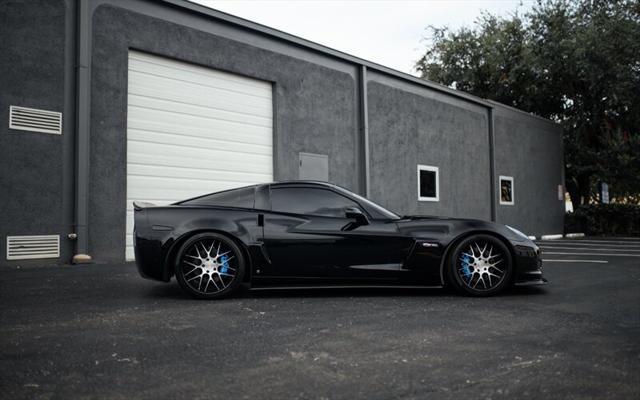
x=302 y=182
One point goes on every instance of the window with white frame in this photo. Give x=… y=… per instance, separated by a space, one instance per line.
x=428 y=183
x=506 y=190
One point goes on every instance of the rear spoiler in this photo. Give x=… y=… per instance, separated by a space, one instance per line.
x=139 y=205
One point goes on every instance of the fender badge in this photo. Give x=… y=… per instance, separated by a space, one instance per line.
x=427 y=244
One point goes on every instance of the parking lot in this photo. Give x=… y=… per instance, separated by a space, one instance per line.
x=101 y=331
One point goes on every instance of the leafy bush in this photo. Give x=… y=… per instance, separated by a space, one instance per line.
x=605 y=219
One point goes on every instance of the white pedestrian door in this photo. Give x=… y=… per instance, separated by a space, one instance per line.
x=193 y=130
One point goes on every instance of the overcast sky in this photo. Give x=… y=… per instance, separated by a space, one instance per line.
x=390 y=33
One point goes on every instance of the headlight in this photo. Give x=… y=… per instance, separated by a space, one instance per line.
x=517 y=232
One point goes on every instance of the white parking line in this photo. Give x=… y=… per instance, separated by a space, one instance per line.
x=579 y=243
x=594 y=254
x=618 y=242
x=587 y=249
x=578 y=261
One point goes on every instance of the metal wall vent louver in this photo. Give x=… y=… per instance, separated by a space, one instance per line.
x=32 y=247
x=31 y=119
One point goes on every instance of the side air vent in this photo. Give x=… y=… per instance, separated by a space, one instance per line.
x=31 y=247
x=31 y=119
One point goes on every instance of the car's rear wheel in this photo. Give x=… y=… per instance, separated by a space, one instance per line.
x=480 y=265
x=209 y=266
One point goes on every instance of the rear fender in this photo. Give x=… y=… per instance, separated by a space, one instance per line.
x=241 y=227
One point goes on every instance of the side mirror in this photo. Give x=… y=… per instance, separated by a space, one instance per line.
x=358 y=215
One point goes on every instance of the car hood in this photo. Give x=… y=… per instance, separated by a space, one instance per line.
x=447 y=228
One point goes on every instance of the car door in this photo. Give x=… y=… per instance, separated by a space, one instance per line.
x=308 y=235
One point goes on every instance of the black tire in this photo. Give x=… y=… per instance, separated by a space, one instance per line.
x=480 y=265
x=209 y=266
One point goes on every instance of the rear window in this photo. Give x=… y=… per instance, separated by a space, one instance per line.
x=243 y=197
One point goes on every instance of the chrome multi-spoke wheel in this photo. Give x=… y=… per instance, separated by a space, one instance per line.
x=481 y=265
x=209 y=266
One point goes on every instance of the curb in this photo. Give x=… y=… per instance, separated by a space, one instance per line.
x=574 y=235
x=551 y=237
x=559 y=236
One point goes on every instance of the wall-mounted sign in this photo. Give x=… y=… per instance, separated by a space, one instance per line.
x=560 y=192
x=604 y=193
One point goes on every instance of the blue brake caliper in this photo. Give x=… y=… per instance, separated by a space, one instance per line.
x=465 y=267
x=225 y=264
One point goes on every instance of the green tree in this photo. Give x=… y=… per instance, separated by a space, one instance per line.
x=577 y=63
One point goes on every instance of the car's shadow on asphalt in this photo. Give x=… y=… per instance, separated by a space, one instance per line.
x=377 y=292
x=346 y=292
x=173 y=291
x=525 y=291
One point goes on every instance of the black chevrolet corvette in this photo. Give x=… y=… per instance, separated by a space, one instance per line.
x=314 y=234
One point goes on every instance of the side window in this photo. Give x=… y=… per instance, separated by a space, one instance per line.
x=506 y=190
x=310 y=201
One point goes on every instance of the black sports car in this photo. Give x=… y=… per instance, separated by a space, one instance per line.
x=311 y=234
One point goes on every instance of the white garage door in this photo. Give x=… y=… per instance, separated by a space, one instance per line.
x=192 y=130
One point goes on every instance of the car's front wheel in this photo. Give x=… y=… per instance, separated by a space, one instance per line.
x=480 y=265
x=209 y=266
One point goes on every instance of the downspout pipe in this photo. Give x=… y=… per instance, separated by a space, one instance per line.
x=83 y=96
x=492 y=162
x=365 y=181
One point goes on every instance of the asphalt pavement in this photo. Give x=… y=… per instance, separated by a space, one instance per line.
x=100 y=331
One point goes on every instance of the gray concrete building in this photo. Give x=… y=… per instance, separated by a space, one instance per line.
x=104 y=102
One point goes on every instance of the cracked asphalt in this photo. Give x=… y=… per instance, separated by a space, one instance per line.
x=101 y=331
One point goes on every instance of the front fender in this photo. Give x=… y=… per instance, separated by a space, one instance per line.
x=446 y=232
